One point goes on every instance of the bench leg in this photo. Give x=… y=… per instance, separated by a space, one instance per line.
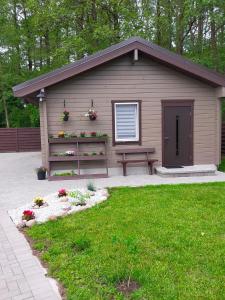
x=124 y=169
x=150 y=167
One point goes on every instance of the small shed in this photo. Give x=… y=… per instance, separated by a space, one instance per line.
x=132 y=95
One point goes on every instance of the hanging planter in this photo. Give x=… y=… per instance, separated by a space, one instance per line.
x=91 y=114
x=65 y=116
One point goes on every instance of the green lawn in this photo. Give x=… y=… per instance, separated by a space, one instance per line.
x=222 y=165
x=169 y=239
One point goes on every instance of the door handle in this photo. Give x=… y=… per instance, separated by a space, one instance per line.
x=166 y=138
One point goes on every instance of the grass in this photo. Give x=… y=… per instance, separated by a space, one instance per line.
x=168 y=239
x=222 y=165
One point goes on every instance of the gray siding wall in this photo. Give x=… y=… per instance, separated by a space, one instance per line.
x=145 y=80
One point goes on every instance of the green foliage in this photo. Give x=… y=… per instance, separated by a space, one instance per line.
x=169 y=239
x=91 y=187
x=222 y=165
x=80 y=244
x=71 y=173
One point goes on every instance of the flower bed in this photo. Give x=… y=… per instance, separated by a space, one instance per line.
x=56 y=205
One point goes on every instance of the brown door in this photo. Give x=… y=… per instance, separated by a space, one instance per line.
x=177 y=133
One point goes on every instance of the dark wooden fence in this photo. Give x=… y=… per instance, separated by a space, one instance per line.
x=20 y=139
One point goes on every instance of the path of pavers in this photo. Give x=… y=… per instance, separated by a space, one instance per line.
x=21 y=275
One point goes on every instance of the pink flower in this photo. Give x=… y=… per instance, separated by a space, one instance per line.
x=62 y=193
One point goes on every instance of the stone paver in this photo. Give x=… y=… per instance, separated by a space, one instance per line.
x=21 y=275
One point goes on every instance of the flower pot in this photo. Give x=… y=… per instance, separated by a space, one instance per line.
x=65 y=118
x=41 y=175
x=61 y=134
x=92 y=118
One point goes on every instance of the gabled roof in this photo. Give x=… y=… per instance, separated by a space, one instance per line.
x=154 y=51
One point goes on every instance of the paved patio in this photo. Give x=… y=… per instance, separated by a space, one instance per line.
x=21 y=275
x=19 y=184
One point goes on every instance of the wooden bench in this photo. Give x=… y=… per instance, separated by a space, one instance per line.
x=147 y=151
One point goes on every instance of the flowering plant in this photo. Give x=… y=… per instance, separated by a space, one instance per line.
x=82 y=134
x=91 y=114
x=61 y=134
x=39 y=201
x=28 y=215
x=93 y=133
x=62 y=193
x=65 y=116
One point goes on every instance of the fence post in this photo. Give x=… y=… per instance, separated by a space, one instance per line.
x=17 y=141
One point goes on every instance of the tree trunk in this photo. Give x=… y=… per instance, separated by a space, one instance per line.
x=180 y=29
x=200 y=34
x=5 y=111
x=47 y=46
x=158 y=27
x=213 y=40
x=29 y=38
x=15 y=20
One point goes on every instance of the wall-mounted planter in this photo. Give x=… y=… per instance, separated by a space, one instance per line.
x=92 y=117
x=66 y=118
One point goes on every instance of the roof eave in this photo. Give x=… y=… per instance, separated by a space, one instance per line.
x=66 y=74
x=156 y=52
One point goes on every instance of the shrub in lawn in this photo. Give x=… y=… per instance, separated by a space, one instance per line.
x=91 y=187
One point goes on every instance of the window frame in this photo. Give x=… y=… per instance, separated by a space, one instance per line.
x=138 y=129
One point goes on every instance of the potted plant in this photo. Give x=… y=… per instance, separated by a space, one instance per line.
x=65 y=116
x=93 y=134
x=61 y=134
x=91 y=114
x=70 y=153
x=83 y=134
x=41 y=173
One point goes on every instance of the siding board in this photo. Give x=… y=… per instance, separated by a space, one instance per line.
x=145 y=80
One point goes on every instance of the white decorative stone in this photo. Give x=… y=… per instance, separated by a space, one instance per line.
x=62 y=214
x=22 y=224
x=63 y=199
x=30 y=223
x=59 y=206
x=52 y=218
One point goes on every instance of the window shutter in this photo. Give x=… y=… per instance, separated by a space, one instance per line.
x=126 y=121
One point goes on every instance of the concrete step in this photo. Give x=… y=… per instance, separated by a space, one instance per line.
x=187 y=171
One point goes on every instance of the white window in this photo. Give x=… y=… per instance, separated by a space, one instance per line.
x=126 y=121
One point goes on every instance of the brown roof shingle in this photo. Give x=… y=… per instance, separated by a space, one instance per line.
x=154 y=51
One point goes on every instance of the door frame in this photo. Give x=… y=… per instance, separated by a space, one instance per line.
x=178 y=102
